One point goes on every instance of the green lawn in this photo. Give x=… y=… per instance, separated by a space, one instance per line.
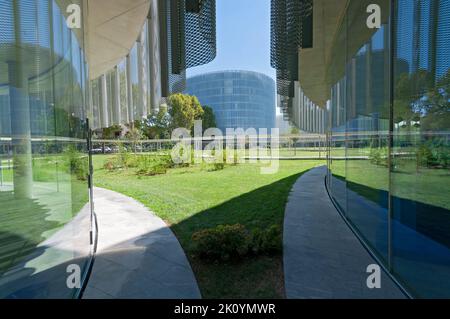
x=58 y=196
x=425 y=185
x=191 y=199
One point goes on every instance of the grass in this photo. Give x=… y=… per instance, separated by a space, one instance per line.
x=424 y=185
x=28 y=222
x=191 y=199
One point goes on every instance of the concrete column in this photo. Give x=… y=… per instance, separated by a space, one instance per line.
x=104 y=102
x=130 y=106
x=301 y=110
x=314 y=109
x=20 y=116
x=141 y=107
x=116 y=98
x=20 y=128
x=304 y=114
x=154 y=57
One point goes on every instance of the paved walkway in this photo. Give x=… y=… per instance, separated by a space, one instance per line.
x=322 y=256
x=138 y=256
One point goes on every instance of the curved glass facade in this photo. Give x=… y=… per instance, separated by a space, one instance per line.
x=48 y=108
x=240 y=99
x=389 y=118
x=45 y=219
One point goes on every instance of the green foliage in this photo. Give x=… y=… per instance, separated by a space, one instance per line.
x=123 y=159
x=379 y=156
x=76 y=162
x=157 y=126
x=267 y=241
x=233 y=160
x=218 y=166
x=134 y=135
x=147 y=167
x=234 y=242
x=433 y=154
x=111 y=132
x=222 y=243
x=208 y=118
x=184 y=110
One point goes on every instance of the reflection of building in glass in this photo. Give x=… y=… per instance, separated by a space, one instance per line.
x=176 y=35
x=387 y=109
x=56 y=84
x=240 y=99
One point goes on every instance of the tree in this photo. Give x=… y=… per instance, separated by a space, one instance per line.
x=111 y=132
x=208 y=118
x=184 y=110
x=134 y=135
x=435 y=106
x=157 y=126
x=295 y=132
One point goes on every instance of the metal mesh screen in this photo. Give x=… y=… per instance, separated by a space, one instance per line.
x=191 y=38
x=287 y=24
x=200 y=26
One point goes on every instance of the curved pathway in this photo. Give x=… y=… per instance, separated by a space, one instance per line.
x=138 y=256
x=322 y=256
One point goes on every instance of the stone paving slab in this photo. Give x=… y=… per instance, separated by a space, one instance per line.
x=138 y=256
x=323 y=259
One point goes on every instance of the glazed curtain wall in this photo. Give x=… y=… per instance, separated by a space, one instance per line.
x=389 y=117
x=45 y=219
x=240 y=99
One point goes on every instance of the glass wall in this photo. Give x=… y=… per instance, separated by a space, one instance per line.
x=420 y=153
x=240 y=99
x=45 y=217
x=389 y=118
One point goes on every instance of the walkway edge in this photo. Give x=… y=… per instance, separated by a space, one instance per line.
x=322 y=257
x=138 y=256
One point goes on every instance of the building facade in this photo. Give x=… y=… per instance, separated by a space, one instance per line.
x=240 y=99
x=57 y=82
x=385 y=92
x=176 y=35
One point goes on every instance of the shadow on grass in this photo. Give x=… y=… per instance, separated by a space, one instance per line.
x=256 y=276
x=23 y=222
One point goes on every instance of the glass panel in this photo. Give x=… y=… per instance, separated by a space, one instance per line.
x=337 y=122
x=367 y=140
x=45 y=216
x=420 y=171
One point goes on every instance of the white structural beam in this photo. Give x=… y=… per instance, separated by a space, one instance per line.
x=110 y=29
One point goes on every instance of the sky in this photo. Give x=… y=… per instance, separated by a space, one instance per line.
x=243 y=38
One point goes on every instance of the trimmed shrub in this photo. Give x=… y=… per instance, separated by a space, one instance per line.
x=149 y=165
x=222 y=243
x=218 y=166
x=234 y=242
x=152 y=170
x=267 y=241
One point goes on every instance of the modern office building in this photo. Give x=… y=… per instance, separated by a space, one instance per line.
x=240 y=99
x=384 y=92
x=58 y=80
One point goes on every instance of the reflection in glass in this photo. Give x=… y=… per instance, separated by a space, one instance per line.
x=393 y=184
x=45 y=219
